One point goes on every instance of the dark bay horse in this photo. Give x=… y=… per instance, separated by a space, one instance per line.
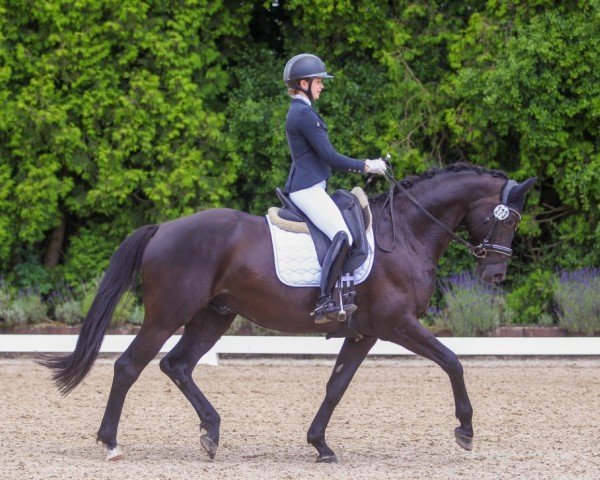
x=201 y=271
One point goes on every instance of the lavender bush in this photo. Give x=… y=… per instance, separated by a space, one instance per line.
x=69 y=312
x=66 y=306
x=72 y=307
x=577 y=296
x=5 y=299
x=472 y=308
x=23 y=308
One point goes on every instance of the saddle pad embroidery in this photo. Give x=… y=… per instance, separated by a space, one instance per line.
x=296 y=259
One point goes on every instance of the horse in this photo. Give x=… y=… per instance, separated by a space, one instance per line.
x=198 y=272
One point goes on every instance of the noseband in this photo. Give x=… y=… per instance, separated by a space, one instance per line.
x=501 y=213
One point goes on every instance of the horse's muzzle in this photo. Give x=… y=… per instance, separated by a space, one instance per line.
x=492 y=272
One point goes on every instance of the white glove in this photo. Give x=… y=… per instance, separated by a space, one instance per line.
x=376 y=166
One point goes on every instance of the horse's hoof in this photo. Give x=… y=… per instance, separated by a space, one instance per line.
x=464 y=441
x=209 y=445
x=115 y=454
x=331 y=458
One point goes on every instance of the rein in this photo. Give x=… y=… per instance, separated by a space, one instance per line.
x=501 y=212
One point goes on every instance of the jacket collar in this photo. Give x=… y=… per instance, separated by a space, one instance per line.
x=303 y=99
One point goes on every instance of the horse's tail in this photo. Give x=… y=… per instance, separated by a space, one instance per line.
x=121 y=275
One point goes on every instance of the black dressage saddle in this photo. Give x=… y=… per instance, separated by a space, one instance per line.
x=354 y=216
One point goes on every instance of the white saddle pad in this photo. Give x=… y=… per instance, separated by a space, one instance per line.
x=296 y=259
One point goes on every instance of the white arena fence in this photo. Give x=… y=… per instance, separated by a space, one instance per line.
x=274 y=345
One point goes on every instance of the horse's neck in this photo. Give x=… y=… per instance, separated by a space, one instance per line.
x=447 y=196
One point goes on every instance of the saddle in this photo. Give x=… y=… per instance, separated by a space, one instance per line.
x=355 y=211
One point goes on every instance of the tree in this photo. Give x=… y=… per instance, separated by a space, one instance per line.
x=109 y=122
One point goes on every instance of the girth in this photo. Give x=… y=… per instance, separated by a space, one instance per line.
x=355 y=211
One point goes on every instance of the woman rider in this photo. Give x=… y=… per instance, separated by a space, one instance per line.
x=313 y=157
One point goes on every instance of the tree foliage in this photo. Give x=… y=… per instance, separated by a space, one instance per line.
x=116 y=114
x=110 y=120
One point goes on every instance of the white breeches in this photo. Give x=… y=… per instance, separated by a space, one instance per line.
x=321 y=209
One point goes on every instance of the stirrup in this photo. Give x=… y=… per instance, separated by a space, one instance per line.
x=342 y=314
x=327 y=310
x=347 y=306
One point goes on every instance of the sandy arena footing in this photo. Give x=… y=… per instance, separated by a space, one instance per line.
x=534 y=419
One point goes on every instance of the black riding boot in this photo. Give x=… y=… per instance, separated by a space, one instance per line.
x=332 y=266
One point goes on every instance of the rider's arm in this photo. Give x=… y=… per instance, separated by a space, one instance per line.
x=315 y=132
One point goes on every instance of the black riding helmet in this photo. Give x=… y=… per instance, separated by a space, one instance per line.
x=304 y=66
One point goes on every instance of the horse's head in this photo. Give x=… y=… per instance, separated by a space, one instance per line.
x=492 y=225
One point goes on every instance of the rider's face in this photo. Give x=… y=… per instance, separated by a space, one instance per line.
x=317 y=86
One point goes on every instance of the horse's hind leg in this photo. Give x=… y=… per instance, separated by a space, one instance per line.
x=127 y=368
x=416 y=338
x=198 y=338
x=349 y=359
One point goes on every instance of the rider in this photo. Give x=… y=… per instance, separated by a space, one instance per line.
x=313 y=157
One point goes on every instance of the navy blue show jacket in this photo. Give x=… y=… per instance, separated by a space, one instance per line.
x=313 y=156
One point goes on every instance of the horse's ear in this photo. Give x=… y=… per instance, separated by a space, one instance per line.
x=516 y=197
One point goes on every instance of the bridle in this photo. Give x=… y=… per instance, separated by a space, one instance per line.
x=501 y=213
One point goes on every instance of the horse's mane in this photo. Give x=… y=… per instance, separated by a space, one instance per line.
x=411 y=180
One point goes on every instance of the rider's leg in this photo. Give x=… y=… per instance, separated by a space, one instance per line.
x=324 y=213
x=332 y=267
x=321 y=209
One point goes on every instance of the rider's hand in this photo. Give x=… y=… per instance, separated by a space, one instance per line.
x=376 y=166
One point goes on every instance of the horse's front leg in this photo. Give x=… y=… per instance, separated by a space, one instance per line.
x=415 y=337
x=349 y=359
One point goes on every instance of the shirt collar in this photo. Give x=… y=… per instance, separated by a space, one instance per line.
x=303 y=98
